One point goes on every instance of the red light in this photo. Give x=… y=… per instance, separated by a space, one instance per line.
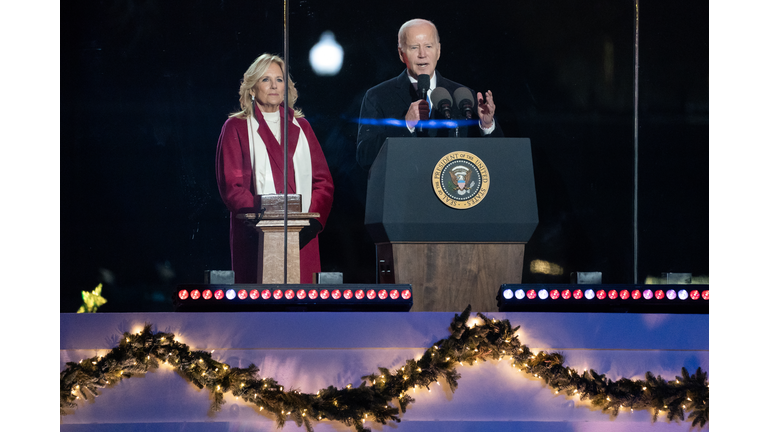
x=277 y=294
x=183 y=294
x=659 y=294
x=612 y=294
x=195 y=294
x=219 y=294
x=324 y=294
x=566 y=294
x=383 y=294
x=371 y=294
x=289 y=294
x=347 y=294
x=301 y=294
x=255 y=294
x=694 y=295
x=313 y=294
x=531 y=294
x=359 y=294
x=705 y=294
x=406 y=294
x=636 y=294
x=555 y=294
x=624 y=294
x=207 y=294
x=336 y=294
x=242 y=294
x=578 y=294
x=601 y=294
x=265 y=294
x=394 y=294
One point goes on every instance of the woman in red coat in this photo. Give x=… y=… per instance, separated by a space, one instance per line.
x=249 y=162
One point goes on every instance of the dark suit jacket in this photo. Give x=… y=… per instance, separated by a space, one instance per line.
x=391 y=100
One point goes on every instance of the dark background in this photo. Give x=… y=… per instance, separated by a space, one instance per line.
x=146 y=87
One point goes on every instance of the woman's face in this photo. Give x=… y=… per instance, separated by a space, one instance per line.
x=270 y=89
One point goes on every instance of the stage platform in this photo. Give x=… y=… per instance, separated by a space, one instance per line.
x=309 y=351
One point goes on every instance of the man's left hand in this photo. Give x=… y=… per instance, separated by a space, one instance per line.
x=485 y=109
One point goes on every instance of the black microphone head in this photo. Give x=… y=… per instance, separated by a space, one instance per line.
x=463 y=95
x=422 y=84
x=441 y=100
x=464 y=100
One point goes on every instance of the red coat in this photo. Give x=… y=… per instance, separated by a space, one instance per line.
x=234 y=175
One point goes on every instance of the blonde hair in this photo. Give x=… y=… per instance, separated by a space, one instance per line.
x=252 y=76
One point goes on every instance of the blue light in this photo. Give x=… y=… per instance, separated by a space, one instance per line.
x=429 y=124
x=231 y=294
x=508 y=294
x=519 y=294
x=543 y=294
x=589 y=294
x=683 y=294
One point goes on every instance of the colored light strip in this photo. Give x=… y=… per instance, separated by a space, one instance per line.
x=589 y=294
x=301 y=294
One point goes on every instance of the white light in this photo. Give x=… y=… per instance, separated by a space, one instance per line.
x=589 y=294
x=519 y=294
x=671 y=294
x=326 y=56
x=683 y=294
x=508 y=294
x=231 y=294
x=543 y=294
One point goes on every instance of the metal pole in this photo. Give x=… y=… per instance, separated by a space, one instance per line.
x=285 y=143
x=636 y=127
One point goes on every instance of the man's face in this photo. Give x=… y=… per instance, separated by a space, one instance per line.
x=420 y=50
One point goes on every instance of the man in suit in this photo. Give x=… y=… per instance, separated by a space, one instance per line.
x=393 y=108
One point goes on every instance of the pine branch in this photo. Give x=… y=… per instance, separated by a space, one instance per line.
x=354 y=406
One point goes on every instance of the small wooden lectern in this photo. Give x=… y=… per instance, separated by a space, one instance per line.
x=270 y=223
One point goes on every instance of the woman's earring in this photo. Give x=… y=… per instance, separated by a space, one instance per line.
x=253 y=98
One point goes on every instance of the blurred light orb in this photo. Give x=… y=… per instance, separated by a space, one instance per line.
x=682 y=294
x=519 y=294
x=231 y=294
x=589 y=294
x=508 y=294
x=543 y=294
x=326 y=56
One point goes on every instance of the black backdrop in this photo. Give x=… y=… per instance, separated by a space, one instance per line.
x=146 y=86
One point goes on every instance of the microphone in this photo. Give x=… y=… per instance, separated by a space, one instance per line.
x=441 y=100
x=422 y=84
x=465 y=101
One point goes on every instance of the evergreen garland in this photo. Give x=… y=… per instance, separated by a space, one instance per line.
x=370 y=401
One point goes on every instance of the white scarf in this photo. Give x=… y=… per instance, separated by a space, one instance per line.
x=262 y=171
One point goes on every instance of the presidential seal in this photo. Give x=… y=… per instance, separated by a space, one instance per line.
x=460 y=180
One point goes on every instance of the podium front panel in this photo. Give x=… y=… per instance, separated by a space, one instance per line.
x=402 y=205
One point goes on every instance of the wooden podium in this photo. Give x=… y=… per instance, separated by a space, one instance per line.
x=452 y=249
x=270 y=223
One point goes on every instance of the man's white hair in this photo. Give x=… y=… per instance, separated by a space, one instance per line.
x=415 y=21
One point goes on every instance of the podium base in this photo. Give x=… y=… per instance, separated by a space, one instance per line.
x=447 y=277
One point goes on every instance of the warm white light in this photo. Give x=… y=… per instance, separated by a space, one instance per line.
x=327 y=56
